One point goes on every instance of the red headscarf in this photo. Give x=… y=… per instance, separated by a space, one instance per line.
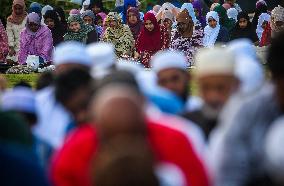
x=150 y=41
x=17 y=19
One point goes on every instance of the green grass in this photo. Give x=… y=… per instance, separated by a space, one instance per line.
x=13 y=79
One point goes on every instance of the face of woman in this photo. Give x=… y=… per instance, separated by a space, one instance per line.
x=113 y=24
x=243 y=23
x=149 y=25
x=19 y=10
x=74 y=26
x=184 y=25
x=168 y=23
x=132 y=18
x=88 y=20
x=100 y=22
x=212 y=22
x=96 y=9
x=49 y=22
x=33 y=27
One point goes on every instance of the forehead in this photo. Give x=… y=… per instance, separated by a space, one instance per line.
x=148 y=21
x=167 y=73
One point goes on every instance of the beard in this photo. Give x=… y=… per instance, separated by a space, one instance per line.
x=210 y=112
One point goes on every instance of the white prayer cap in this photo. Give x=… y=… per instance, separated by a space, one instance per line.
x=248 y=68
x=167 y=60
x=232 y=13
x=214 y=61
x=45 y=9
x=273 y=151
x=19 y=99
x=71 y=52
x=102 y=54
x=86 y=3
x=242 y=47
x=130 y=66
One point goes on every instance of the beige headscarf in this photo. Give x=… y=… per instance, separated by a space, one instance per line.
x=17 y=19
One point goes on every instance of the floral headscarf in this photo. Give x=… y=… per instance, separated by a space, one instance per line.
x=121 y=36
x=80 y=36
x=277 y=14
x=17 y=19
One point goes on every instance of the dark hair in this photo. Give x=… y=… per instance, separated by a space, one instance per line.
x=121 y=77
x=66 y=84
x=275 y=57
x=23 y=84
x=45 y=79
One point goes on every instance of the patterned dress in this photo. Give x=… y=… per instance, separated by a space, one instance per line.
x=146 y=55
x=187 y=45
x=4 y=48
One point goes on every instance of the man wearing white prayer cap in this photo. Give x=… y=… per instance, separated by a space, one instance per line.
x=70 y=55
x=170 y=67
x=215 y=75
x=53 y=118
x=103 y=58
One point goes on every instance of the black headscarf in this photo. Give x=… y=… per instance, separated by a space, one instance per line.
x=61 y=14
x=247 y=32
x=58 y=30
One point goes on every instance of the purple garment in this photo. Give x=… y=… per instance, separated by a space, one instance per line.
x=33 y=18
x=197 y=5
x=39 y=43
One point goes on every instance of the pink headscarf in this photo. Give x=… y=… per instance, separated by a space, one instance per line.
x=74 y=12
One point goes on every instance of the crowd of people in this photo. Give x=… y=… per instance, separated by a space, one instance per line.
x=122 y=107
x=136 y=36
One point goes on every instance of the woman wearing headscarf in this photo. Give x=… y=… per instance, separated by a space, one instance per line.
x=214 y=32
x=4 y=47
x=151 y=39
x=89 y=18
x=263 y=20
x=52 y=21
x=261 y=7
x=224 y=20
x=168 y=19
x=127 y=4
x=97 y=6
x=78 y=31
x=119 y=35
x=190 y=10
x=35 y=39
x=198 y=12
x=35 y=7
x=185 y=38
x=244 y=29
x=233 y=14
x=61 y=15
x=134 y=22
x=100 y=18
x=233 y=4
x=15 y=23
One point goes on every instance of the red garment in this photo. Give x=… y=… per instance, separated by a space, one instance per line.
x=72 y=164
x=266 y=36
x=148 y=43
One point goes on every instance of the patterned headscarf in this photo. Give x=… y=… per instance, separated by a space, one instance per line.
x=77 y=36
x=17 y=19
x=135 y=28
x=277 y=14
x=91 y=14
x=121 y=36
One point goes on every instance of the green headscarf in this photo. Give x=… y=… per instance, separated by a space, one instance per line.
x=80 y=36
x=224 y=20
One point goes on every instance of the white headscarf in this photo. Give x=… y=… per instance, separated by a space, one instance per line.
x=233 y=14
x=259 y=30
x=211 y=34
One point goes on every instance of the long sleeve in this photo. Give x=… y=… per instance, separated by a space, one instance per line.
x=23 y=53
x=4 y=48
x=11 y=35
x=47 y=47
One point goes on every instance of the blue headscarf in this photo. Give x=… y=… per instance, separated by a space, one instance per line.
x=131 y=3
x=190 y=9
x=35 y=7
